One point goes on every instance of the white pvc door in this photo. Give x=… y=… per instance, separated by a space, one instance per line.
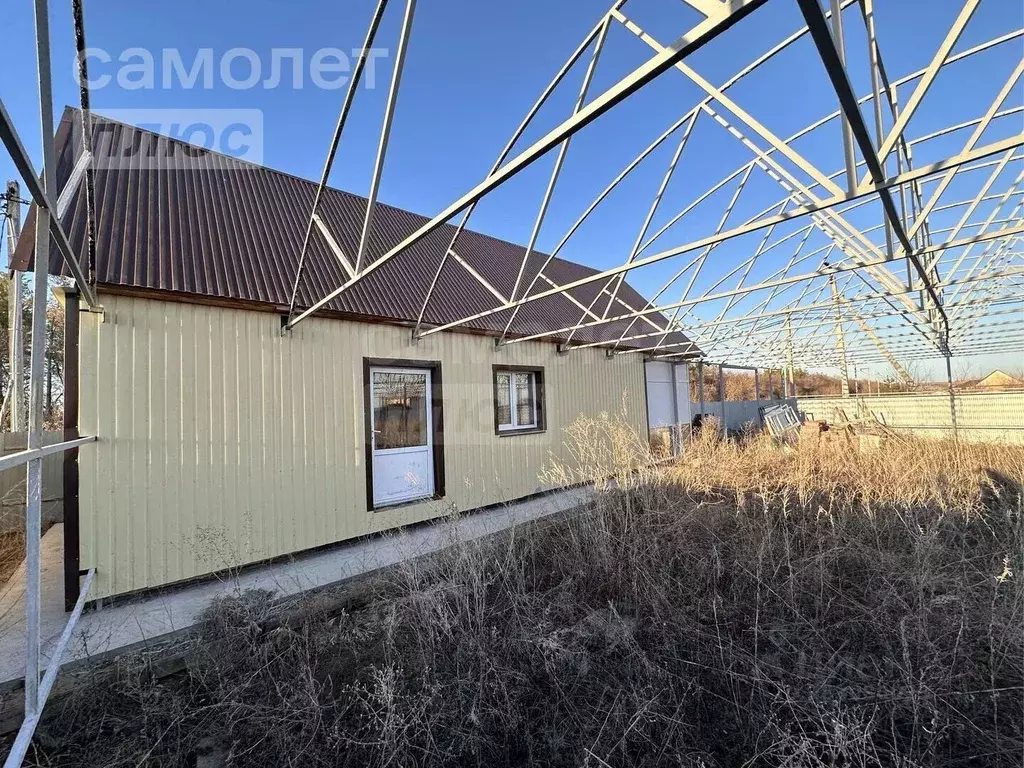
x=402 y=435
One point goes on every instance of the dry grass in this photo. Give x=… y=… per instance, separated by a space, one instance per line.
x=963 y=479
x=748 y=606
x=12 y=552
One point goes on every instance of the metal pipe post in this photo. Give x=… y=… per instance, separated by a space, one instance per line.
x=700 y=388
x=34 y=478
x=789 y=351
x=23 y=740
x=840 y=339
x=952 y=395
x=721 y=396
x=677 y=435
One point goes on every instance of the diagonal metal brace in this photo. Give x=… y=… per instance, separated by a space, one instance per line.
x=24 y=165
x=822 y=37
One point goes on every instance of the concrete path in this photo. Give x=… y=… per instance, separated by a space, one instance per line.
x=149 y=618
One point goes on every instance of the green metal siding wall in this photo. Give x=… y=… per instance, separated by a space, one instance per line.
x=223 y=443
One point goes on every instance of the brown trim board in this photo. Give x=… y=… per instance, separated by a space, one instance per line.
x=72 y=530
x=436 y=415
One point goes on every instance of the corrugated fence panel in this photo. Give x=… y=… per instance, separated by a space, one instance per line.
x=12 y=482
x=981 y=416
x=223 y=443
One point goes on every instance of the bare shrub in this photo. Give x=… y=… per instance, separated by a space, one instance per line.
x=745 y=606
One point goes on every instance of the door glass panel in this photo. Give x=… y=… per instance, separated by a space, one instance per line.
x=524 y=400
x=399 y=409
x=503 y=404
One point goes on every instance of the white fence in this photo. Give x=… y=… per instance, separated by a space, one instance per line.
x=980 y=416
x=738 y=414
x=670 y=412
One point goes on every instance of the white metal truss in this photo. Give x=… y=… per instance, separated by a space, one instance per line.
x=920 y=190
x=862 y=255
x=815 y=238
x=42 y=188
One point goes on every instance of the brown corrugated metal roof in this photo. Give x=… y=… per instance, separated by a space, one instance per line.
x=209 y=225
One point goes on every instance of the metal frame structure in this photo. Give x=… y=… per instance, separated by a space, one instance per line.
x=801 y=282
x=42 y=189
x=828 y=302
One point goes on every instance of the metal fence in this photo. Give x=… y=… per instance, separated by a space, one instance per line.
x=12 y=482
x=980 y=416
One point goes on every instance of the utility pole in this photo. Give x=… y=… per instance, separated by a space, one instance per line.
x=15 y=310
x=840 y=339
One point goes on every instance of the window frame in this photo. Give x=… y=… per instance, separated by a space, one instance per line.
x=539 y=409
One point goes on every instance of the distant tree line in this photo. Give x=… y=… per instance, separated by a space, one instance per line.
x=53 y=367
x=740 y=385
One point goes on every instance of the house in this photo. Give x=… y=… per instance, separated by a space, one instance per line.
x=224 y=442
x=999 y=380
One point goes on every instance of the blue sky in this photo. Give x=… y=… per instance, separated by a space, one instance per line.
x=474 y=68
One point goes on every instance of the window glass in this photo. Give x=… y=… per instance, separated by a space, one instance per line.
x=399 y=409
x=524 y=400
x=504 y=402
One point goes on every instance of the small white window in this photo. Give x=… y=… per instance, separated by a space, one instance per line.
x=517 y=396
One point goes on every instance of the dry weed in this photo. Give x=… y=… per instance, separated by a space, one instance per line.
x=12 y=552
x=745 y=606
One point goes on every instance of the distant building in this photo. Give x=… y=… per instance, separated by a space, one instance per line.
x=999 y=380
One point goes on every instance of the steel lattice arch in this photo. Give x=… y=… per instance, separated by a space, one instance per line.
x=874 y=259
x=866 y=236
